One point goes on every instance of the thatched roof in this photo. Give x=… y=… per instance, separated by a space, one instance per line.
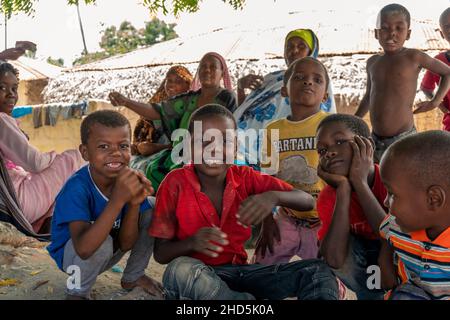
x=258 y=49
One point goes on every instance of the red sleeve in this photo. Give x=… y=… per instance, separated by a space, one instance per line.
x=257 y=182
x=164 y=221
x=325 y=208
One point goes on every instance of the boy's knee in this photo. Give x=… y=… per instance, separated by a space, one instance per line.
x=104 y=253
x=183 y=270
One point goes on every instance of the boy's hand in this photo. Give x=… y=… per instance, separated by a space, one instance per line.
x=425 y=106
x=331 y=179
x=128 y=186
x=269 y=232
x=209 y=241
x=117 y=99
x=26 y=45
x=250 y=81
x=362 y=160
x=147 y=189
x=255 y=208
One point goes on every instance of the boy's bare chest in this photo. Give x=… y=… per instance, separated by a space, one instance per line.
x=215 y=196
x=391 y=69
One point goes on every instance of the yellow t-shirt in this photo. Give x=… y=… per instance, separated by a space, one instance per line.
x=297 y=158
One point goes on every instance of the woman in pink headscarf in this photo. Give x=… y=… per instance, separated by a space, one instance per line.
x=211 y=84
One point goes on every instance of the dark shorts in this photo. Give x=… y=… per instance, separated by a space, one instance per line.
x=382 y=143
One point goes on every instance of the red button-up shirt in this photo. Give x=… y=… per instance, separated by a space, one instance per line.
x=181 y=209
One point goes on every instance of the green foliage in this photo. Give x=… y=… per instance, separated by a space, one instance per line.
x=127 y=38
x=56 y=62
x=167 y=6
x=91 y=57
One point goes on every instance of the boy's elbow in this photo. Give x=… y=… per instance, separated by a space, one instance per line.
x=84 y=254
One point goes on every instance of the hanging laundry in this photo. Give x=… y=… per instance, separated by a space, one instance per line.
x=21 y=111
x=37 y=116
x=53 y=112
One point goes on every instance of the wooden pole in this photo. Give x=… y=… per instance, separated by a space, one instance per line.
x=85 y=51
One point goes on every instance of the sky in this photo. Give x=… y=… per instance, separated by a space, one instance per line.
x=54 y=26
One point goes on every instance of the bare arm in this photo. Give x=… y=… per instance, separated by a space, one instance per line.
x=256 y=208
x=387 y=267
x=364 y=105
x=362 y=164
x=145 y=110
x=208 y=241
x=437 y=67
x=86 y=237
x=249 y=81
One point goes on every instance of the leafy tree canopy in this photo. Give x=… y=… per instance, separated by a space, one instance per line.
x=175 y=7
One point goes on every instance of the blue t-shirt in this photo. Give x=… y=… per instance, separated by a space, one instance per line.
x=79 y=200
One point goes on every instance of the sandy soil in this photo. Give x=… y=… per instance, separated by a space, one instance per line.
x=27 y=272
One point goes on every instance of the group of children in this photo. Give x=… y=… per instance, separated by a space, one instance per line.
x=341 y=197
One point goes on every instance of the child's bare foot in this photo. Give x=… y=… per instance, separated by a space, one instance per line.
x=151 y=286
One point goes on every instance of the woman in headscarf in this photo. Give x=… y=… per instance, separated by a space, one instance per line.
x=265 y=103
x=211 y=84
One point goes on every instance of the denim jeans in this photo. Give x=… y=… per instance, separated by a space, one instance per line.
x=362 y=253
x=409 y=291
x=189 y=278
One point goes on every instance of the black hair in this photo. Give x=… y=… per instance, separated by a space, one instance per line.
x=396 y=8
x=7 y=67
x=290 y=69
x=209 y=111
x=424 y=156
x=355 y=124
x=444 y=15
x=107 y=118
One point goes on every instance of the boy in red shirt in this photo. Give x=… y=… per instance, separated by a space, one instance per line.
x=351 y=206
x=200 y=221
x=431 y=80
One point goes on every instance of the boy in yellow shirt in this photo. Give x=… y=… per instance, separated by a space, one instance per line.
x=296 y=159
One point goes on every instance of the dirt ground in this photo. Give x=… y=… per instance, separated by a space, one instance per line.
x=27 y=272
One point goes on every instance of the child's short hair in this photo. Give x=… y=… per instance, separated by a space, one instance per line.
x=7 y=67
x=395 y=8
x=210 y=110
x=444 y=16
x=355 y=124
x=425 y=156
x=290 y=69
x=107 y=118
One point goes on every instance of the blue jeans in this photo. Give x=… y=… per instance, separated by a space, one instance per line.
x=362 y=253
x=189 y=278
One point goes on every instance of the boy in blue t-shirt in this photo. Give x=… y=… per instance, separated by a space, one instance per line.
x=103 y=211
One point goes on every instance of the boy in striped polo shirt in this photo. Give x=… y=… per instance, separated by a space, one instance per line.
x=415 y=259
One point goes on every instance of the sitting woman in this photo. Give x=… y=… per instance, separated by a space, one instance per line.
x=211 y=84
x=265 y=103
x=148 y=136
x=37 y=177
